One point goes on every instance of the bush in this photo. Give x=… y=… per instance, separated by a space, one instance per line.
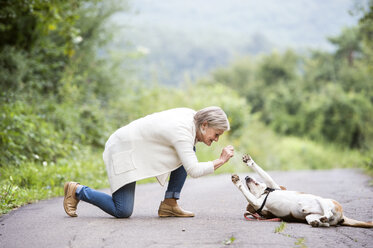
x=26 y=135
x=13 y=69
x=33 y=181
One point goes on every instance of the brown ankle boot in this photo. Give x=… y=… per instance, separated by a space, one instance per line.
x=166 y=210
x=70 y=202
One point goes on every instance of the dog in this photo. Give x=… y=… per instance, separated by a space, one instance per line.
x=270 y=200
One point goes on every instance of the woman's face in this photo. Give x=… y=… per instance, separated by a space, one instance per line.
x=209 y=134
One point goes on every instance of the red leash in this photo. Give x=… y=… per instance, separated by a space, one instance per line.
x=257 y=217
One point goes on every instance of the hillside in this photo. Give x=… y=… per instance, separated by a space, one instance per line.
x=188 y=38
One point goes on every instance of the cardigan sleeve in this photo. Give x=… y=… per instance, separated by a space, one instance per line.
x=190 y=161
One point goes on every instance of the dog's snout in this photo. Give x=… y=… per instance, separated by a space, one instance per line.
x=247 y=178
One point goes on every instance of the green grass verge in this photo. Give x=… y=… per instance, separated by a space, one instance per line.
x=31 y=182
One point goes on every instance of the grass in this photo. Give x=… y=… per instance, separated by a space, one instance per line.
x=299 y=242
x=281 y=227
x=20 y=185
x=229 y=241
x=35 y=181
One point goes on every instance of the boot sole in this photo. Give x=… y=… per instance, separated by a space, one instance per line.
x=166 y=213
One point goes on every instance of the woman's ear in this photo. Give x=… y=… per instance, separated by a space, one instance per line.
x=205 y=125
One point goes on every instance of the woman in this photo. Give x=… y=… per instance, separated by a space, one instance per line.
x=161 y=144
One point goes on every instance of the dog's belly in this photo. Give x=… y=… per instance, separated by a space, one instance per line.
x=293 y=205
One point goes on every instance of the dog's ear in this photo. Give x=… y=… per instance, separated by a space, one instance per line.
x=250 y=208
x=282 y=187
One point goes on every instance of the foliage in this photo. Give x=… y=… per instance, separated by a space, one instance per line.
x=28 y=136
x=324 y=96
x=39 y=180
x=38 y=20
x=366 y=27
x=51 y=78
x=52 y=93
x=347 y=43
x=275 y=152
x=45 y=33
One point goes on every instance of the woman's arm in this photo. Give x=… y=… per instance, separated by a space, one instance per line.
x=195 y=168
x=190 y=162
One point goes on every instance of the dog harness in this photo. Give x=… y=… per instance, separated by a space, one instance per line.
x=267 y=191
x=258 y=213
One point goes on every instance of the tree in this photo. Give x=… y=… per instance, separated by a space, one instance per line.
x=366 y=29
x=43 y=35
x=348 y=44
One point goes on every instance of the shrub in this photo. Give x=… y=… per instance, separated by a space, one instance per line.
x=26 y=135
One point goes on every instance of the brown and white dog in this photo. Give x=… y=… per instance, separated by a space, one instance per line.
x=270 y=200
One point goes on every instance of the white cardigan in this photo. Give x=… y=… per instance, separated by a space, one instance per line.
x=152 y=146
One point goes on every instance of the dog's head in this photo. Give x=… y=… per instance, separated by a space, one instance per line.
x=256 y=188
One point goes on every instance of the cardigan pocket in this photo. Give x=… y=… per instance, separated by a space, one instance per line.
x=123 y=162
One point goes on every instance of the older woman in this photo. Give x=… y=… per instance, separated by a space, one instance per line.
x=161 y=145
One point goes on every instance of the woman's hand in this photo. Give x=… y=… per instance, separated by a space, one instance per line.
x=225 y=155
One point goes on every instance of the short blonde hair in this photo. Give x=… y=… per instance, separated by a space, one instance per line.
x=214 y=116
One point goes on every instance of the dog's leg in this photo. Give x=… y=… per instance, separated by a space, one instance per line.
x=327 y=211
x=267 y=178
x=249 y=197
x=314 y=220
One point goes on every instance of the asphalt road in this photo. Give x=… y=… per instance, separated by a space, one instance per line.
x=219 y=221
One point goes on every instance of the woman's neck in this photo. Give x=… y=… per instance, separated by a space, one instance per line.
x=198 y=136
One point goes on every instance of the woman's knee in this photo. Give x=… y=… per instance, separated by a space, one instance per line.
x=125 y=213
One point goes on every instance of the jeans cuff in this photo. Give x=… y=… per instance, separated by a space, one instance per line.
x=175 y=195
x=78 y=189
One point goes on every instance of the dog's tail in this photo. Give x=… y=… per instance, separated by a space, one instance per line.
x=356 y=223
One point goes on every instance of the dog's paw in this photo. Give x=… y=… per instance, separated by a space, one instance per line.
x=315 y=223
x=246 y=158
x=235 y=178
x=323 y=219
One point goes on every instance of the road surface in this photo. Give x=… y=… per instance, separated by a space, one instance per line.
x=219 y=221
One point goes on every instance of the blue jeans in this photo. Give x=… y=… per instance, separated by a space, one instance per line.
x=176 y=183
x=120 y=204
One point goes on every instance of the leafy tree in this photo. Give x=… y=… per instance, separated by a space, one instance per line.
x=277 y=68
x=366 y=27
x=44 y=34
x=348 y=44
x=319 y=69
x=53 y=83
x=324 y=96
x=257 y=78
